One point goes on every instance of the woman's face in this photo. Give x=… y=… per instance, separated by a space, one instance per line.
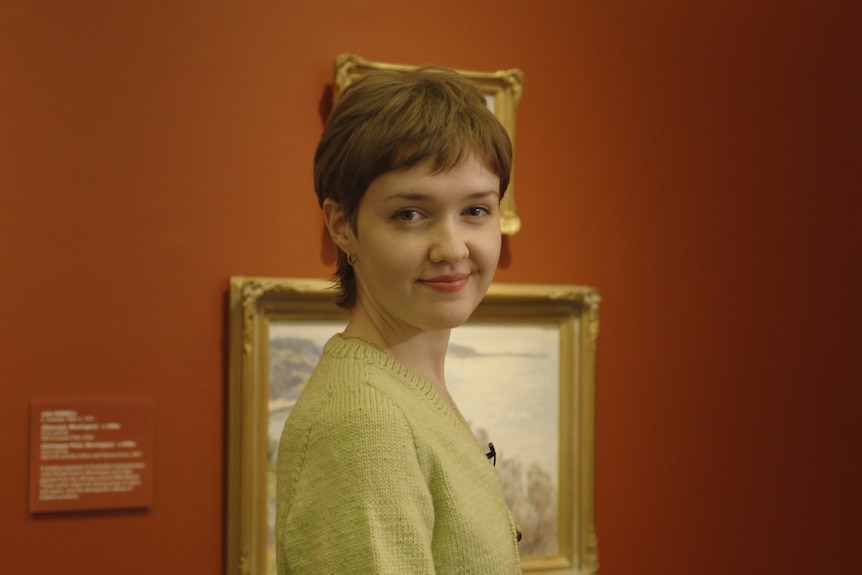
x=427 y=245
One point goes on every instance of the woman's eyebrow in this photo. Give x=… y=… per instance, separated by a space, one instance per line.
x=410 y=196
x=484 y=194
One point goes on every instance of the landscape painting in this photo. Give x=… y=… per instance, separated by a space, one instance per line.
x=505 y=381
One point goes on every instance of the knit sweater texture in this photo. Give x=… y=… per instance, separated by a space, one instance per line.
x=378 y=475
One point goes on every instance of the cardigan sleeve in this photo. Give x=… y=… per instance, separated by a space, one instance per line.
x=360 y=502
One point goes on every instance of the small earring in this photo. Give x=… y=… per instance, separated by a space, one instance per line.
x=351 y=259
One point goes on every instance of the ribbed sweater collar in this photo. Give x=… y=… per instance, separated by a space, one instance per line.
x=357 y=350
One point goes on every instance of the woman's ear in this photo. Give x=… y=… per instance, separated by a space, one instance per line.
x=338 y=225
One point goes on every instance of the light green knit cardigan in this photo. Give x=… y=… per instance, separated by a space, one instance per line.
x=377 y=475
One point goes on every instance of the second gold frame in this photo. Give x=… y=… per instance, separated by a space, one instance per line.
x=521 y=370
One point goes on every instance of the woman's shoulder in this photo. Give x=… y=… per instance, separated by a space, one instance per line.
x=358 y=393
x=343 y=397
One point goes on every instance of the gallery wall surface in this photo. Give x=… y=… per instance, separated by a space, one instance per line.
x=696 y=163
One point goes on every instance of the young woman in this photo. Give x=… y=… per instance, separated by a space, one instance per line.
x=378 y=472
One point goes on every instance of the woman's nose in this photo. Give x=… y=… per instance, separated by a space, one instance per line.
x=448 y=243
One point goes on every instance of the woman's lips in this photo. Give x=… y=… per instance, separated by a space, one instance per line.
x=446 y=284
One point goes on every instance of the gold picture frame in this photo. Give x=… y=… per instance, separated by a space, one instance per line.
x=502 y=90
x=533 y=347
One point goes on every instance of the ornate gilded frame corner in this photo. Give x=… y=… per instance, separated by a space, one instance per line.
x=256 y=304
x=502 y=89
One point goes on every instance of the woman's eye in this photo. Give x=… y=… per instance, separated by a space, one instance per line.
x=477 y=211
x=407 y=215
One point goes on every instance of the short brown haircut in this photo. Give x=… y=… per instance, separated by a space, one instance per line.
x=389 y=121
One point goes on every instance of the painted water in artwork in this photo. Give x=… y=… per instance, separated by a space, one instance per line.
x=505 y=380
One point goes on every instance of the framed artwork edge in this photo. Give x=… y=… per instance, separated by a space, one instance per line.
x=504 y=86
x=255 y=301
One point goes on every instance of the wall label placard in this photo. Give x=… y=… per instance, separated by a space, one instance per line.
x=91 y=454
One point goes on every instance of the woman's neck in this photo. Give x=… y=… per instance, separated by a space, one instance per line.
x=422 y=351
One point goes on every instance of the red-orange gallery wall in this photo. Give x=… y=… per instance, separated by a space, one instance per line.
x=697 y=162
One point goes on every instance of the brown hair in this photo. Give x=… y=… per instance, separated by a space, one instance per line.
x=388 y=121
